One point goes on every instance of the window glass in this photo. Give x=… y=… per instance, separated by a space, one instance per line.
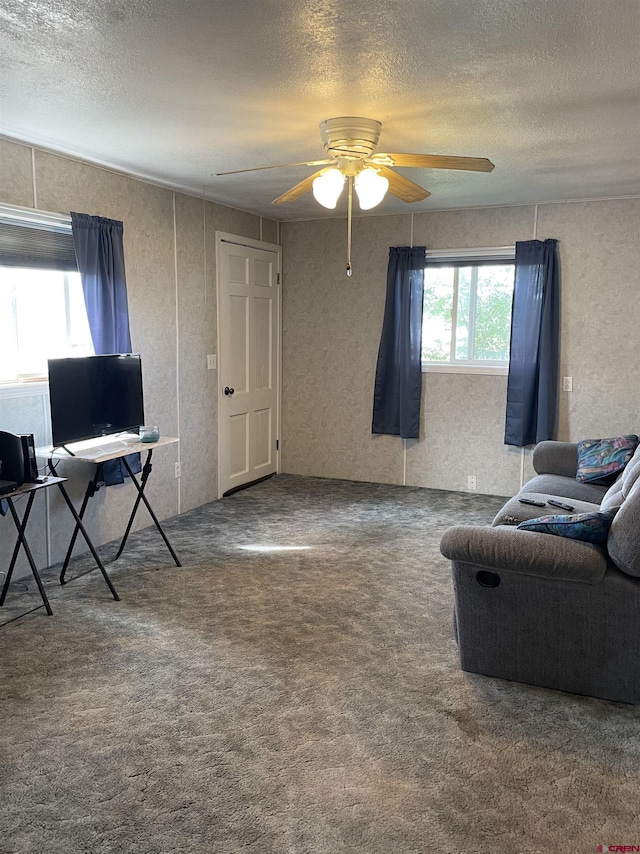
x=493 y=312
x=437 y=314
x=42 y=316
x=467 y=314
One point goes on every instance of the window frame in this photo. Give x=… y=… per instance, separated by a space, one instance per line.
x=461 y=258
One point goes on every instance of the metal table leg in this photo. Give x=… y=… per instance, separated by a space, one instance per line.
x=146 y=471
x=22 y=541
x=80 y=526
x=92 y=488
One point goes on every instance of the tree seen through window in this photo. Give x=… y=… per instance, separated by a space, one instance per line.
x=467 y=314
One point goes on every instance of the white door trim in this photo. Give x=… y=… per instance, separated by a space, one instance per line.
x=225 y=237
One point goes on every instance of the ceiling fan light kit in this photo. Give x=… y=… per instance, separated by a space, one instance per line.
x=351 y=143
x=370 y=187
x=327 y=187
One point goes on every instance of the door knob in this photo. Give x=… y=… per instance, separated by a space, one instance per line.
x=229 y=391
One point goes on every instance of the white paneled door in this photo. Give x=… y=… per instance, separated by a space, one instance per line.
x=248 y=369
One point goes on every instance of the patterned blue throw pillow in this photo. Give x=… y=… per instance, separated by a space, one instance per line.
x=589 y=527
x=599 y=459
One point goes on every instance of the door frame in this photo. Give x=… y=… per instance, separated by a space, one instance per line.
x=249 y=242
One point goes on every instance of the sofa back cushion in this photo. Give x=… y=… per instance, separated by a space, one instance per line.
x=613 y=498
x=631 y=473
x=551 y=457
x=564 y=487
x=623 y=543
x=619 y=490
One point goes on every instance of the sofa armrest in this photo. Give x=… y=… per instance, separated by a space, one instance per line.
x=556 y=458
x=525 y=552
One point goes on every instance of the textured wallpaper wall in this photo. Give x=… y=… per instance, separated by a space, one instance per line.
x=171 y=273
x=331 y=330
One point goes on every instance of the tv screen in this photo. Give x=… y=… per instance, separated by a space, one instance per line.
x=94 y=396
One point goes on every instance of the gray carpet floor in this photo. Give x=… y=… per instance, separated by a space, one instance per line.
x=294 y=688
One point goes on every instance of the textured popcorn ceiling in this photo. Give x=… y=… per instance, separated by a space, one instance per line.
x=176 y=90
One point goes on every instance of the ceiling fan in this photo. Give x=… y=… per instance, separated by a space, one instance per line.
x=351 y=143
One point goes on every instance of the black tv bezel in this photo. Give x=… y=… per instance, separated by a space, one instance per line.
x=95 y=435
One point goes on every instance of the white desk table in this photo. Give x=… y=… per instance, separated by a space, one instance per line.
x=99 y=451
x=106 y=448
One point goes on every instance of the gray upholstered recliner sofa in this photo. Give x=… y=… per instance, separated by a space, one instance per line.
x=547 y=610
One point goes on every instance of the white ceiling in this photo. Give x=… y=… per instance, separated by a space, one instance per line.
x=175 y=90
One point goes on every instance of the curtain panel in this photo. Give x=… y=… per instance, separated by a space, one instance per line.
x=98 y=243
x=100 y=253
x=398 y=384
x=532 y=386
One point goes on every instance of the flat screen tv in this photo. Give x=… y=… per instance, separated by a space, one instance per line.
x=95 y=396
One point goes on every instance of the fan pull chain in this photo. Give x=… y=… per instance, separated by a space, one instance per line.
x=350 y=182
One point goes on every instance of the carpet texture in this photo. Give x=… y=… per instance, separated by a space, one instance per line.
x=293 y=689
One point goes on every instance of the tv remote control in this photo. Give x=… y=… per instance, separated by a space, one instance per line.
x=560 y=504
x=532 y=501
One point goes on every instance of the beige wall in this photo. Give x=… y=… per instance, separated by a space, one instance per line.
x=331 y=329
x=170 y=263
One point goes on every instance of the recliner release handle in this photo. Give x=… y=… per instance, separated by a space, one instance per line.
x=487 y=579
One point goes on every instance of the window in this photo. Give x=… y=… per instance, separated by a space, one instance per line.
x=42 y=310
x=467 y=310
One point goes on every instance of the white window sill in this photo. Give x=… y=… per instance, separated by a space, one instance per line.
x=483 y=370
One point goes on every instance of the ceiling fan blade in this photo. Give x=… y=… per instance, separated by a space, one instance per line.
x=434 y=161
x=278 y=166
x=402 y=187
x=297 y=191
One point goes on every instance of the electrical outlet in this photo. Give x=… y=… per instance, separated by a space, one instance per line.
x=471 y=482
x=212 y=362
x=567 y=383
x=177 y=470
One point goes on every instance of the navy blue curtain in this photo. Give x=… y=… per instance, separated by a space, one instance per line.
x=532 y=387
x=100 y=254
x=398 y=387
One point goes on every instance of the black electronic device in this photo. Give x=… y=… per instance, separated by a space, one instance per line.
x=560 y=504
x=29 y=457
x=7 y=486
x=11 y=458
x=532 y=501
x=94 y=396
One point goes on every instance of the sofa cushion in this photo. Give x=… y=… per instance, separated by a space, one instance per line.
x=564 y=487
x=600 y=459
x=631 y=473
x=513 y=512
x=588 y=527
x=613 y=498
x=623 y=544
x=551 y=457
